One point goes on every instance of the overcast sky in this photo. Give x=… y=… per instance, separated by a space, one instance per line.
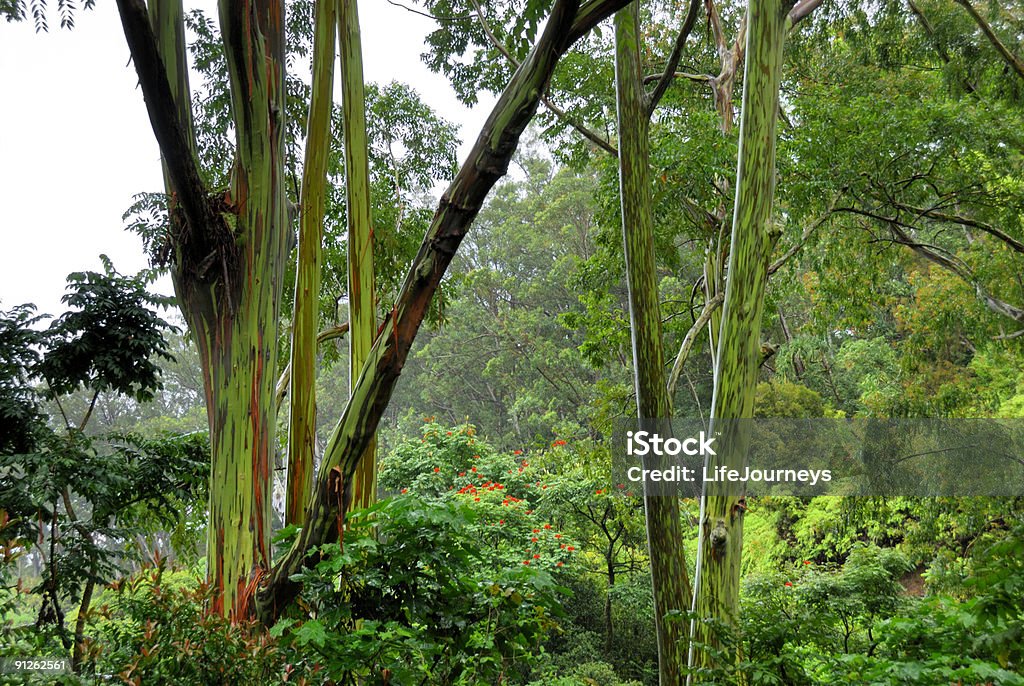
x=75 y=141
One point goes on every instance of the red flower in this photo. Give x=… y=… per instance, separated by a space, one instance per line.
x=558 y=535
x=534 y=539
x=405 y=490
x=536 y=557
x=599 y=491
x=807 y=562
x=558 y=442
x=517 y=452
x=476 y=499
x=559 y=564
x=570 y=548
x=437 y=469
x=526 y=562
x=788 y=584
x=547 y=526
x=472 y=469
x=501 y=521
x=536 y=531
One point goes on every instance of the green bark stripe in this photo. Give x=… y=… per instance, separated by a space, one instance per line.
x=302 y=412
x=739 y=354
x=664 y=534
x=235 y=316
x=361 y=305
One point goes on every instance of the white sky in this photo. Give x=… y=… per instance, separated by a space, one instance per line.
x=76 y=145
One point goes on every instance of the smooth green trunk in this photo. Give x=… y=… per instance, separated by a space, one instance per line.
x=302 y=412
x=361 y=306
x=739 y=353
x=664 y=532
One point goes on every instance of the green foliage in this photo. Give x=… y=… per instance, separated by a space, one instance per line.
x=80 y=499
x=21 y=416
x=996 y=612
x=152 y=628
x=110 y=340
x=412 y=593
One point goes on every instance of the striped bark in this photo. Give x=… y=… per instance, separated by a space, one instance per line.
x=302 y=411
x=361 y=305
x=739 y=355
x=234 y=314
x=664 y=533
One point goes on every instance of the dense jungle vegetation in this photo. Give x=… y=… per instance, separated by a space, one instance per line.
x=373 y=443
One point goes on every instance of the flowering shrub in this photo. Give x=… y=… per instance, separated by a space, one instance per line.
x=506 y=491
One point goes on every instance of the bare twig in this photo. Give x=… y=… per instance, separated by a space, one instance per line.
x=684 y=350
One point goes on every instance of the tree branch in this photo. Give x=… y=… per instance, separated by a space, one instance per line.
x=167 y=127
x=802 y=10
x=286 y=375
x=699 y=78
x=691 y=335
x=961 y=220
x=673 y=59
x=949 y=263
x=1011 y=59
x=588 y=133
x=777 y=264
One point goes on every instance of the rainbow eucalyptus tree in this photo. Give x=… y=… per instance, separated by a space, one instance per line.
x=302 y=381
x=228 y=254
x=634 y=106
x=739 y=353
x=361 y=306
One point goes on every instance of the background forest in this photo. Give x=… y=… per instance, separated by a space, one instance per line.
x=489 y=545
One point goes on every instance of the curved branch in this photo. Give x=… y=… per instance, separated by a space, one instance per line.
x=684 y=350
x=947 y=262
x=286 y=375
x=961 y=220
x=1011 y=59
x=673 y=59
x=802 y=10
x=163 y=115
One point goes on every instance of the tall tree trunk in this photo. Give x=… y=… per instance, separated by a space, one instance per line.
x=302 y=413
x=664 y=531
x=228 y=263
x=361 y=305
x=739 y=355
